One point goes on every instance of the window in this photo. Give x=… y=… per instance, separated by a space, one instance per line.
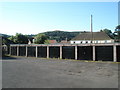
x=105 y=41
x=96 y=41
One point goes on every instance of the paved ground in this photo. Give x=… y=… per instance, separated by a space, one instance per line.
x=50 y=73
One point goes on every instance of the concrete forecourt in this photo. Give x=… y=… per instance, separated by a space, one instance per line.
x=29 y=72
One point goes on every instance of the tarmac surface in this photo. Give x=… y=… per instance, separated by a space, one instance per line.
x=23 y=72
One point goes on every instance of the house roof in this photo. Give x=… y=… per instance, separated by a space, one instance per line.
x=64 y=41
x=52 y=41
x=95 y=35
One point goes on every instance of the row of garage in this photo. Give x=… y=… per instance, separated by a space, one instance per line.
x=102 y=53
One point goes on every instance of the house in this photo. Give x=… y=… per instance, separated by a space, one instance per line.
x=65 y=41
x=92 y=37
x=52 y=41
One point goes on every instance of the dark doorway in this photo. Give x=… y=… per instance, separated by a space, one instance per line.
x=104 y=53
x=42 y=51
x=85 y=53
x=14 y=50
x=31 y=51
x=68 y=52
x=54 y=52
x=22 y=51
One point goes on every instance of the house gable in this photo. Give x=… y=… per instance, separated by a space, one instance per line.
x=95 y=37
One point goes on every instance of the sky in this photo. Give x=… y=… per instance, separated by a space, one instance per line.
x=37 y=17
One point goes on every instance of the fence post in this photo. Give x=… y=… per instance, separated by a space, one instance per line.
x=17 y=50
x=76 y=52
x=114 y=53
x=26 y=51
x=60 y=52
x=47 y=51
x=93 y=53
x=36 y=51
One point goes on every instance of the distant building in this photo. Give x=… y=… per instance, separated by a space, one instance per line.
x=52 y=41
x=29 y=41
x=92 y=37
x=64 y=42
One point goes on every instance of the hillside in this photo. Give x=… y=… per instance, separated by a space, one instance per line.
x=52 y=35
x=4 y=35
x=60 y=35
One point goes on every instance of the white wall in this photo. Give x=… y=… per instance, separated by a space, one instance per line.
x=88 y=41
x=110 y=41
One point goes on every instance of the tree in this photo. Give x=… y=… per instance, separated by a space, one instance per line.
x=118 y=27
x=6 y=41
x=40 y=38
x=117 y=33
x=19 y=38
x=60 y=35
x=46 y=42
x=108 y=32
x=11 y=38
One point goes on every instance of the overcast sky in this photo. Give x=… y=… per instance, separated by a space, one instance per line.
x=37 y=17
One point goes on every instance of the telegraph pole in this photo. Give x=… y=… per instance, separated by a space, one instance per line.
x=91 y=24
x=91 y=29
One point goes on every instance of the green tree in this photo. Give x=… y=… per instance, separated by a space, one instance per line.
x=19 y=38
x=61 y=35
x=108 y=32
x=118 y=27
x=6 y=41
x=117 y=33
x=11 y=38
x=46 y=42
x=40 y=38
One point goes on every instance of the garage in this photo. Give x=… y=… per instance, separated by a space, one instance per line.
x=54 y=52
x=84 y=53
x=14 y=50
x=68 y=52
x=104 y=53
x=42 y=51
x=22 y=51
x=31 y=51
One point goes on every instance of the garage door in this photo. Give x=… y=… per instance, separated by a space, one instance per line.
x=14 y=50
x=84 y=53
x=31 y=51
x=42 y=51
x=54 y=52
x=68 y=52
x=22 y=51
x=104 y=53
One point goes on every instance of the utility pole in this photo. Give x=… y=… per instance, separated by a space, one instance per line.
x=91 y=24
x=91 y=29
